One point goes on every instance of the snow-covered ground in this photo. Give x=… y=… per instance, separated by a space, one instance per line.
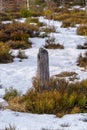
x=27 y=121
x=19 y=75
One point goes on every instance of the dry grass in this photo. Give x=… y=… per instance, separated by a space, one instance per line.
x=62 y=98
x=70 y=75
x=82 y=60
x=50 y=43
x=82 y=30
x=70 y=18
x=5 y=54
x=66 y=74
x=19 y=44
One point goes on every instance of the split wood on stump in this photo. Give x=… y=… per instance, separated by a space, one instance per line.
x=43 y=69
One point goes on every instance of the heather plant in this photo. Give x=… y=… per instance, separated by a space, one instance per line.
x=32 y=20
x=71 y=17
x=25 y=13
x=3 y=36
x=10 y=93
x=5 y=54
x=82 y=30
x=75 y=110
x=48 y=30
x=82 y=60
x=62 y=98
x=51 y=44
x=4 y=16
x=19 y=44
x=17 y=31
x=48 y=14
x=19 y=36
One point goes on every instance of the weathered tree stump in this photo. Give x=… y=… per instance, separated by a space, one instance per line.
x=43 y=69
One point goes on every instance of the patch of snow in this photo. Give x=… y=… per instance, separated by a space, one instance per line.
x=27 y=121
x=3 y=103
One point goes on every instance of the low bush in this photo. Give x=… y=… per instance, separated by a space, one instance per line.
x=19 y=44
x=17 y=31
x=66 y=74
x=5 y=54
x=70 y=18
x=68 y=23
x=19 y=36
x=75 y=110
x=82 y=60
x=10 y=93
x=48 y=14
x=32 y=20
x=61 y=17
x=3 y=36
x=62 y=98
x=25 y=13
x=4 y=16
x=48 y=29
x=51 y=44
x=82 y=30
x=70 y=75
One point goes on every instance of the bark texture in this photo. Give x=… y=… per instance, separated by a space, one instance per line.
x=43 y=69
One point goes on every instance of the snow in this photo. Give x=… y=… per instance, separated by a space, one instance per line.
x=27 y=121
x=22 y=20
x=19 y=75
x=3 y=103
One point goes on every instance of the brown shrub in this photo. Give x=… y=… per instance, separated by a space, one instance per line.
x=70 y=75
x=70 y=22
x=17 y=31
x=61 y=17
x=82 y=60
x=63 y=98
x=18 y=44
x=82 y=30
x=5 y=54
x=50 y=44
x=71 y=17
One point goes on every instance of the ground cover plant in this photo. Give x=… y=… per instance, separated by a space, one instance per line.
x=71 y=76
x=19 y=44
x=71 y=17
x=16 y=31
x=82 y=60
x=4 y=16
x=63 y=97
x=82 y=30
x=50 y=43
x=15 y=36
x=5 y=54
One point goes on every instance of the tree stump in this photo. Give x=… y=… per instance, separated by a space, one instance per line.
x=43 y=69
